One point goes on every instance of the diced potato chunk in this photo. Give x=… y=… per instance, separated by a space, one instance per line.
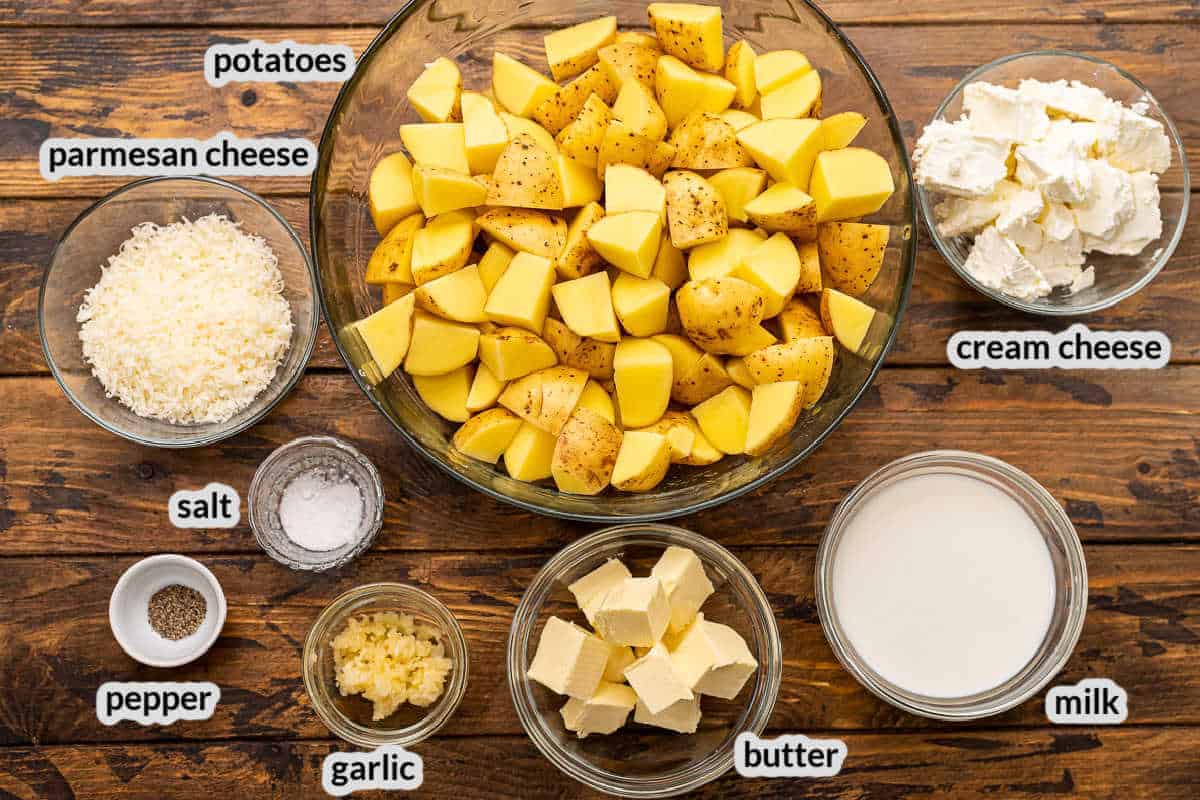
x=528 y=455
x=738 y=186
x=521 y=297
x=485 y=390
x=629 y=188
x=486 y=436
x=846 y=317
x=391 y=261
x=777 y=67
x=440 y=190
x=774 y=267
x=851 y=182
x=796 y=98
x=695 y=210
x=586 y=305
x=435 y=92
x=582 y=137
x=437 y=145
x=851 y=254
x=545 y=398
x=808 y=360
x=510 y=353
x=446 y=394
x=623 y=145
x=799 y=320
x=784 y=208
x=724 y=419
x=580 y=184
x=569 y=51
x=494 y=262
x=484 y=133
x=642 y=461
x=628 y=241
x=643 y=373
x=738 y=119
x=739 y=70
x=628 y=60
x=390 y=192
x=556 y=111
x=578 y=257
x=387 y=334
x=774 y=408
x=526 y=176
x=785 y=148
x=440 y=346
x=525 y=229
x=442 y=246
x=691 y=32
x=641 y=304
x=459 y=296
x=520 y=89
x=839 y=130
x=682 y=90
x=517 y=125
x=596 y=399
x=638 y=108
x=719 y=259
x=670 y=267
x=706 y=141
x=585 y=453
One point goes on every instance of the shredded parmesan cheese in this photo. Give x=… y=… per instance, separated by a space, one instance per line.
x=188 y=323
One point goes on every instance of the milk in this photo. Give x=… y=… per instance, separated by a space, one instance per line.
x=943 y=585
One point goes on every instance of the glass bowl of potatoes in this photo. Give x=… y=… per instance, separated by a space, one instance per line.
x=609 y=261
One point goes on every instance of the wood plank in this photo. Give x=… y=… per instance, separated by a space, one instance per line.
x=108 y=13
x=70 y=488
x=940 y=303
x=1088 y=762
x=1142 y=630
x=114 y=82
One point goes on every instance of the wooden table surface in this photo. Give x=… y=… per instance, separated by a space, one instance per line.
x=1120 y=450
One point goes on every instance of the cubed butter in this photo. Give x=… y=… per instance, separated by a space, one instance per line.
x=603 y=713
x=713 y=659
x=685 y=582
x=656 y=681
x=634 y=612
x=620 y=656
x=590 y=590
x=682 y=716
x=569 y=660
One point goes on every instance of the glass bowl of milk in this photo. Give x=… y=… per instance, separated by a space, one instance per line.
x=951 y=585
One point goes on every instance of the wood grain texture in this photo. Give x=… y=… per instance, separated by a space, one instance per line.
x=149 y=83
x=69 y=487
x=940 y=303
x=1142 y=630
x=1121 y=764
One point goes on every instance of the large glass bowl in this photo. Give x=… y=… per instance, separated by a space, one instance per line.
x=98 y=233
x=363 y=127
x=638 y=760
x=1117 y=277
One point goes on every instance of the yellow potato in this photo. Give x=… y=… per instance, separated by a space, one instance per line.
x=569 y=51
x=669 y=265
x=785 y=148
x=680 y=435
x=706 y=141
x=526 y=176
x=706 y=378
x=525 y=230
x=439 y=346
x=851 y=254
x=774 y=409
x=441 y=190
x=623 y=145
x=391 y=261
x=660 y=158
x=798 y=320
x=717 y=311
x=628 y=241
x=695 y=210
x=528 y=455
x=642 y=461
x=519 y=88
x=390 y=192
x=724 y=419
x=784 y=208
x=630 y=188
x=640 y=303
x=586 y=306
x=682 y=90
x=739 y=70
x=777 y=67
x=840 y=130
x=556 y=111
x=644 y=375
x=738 y=119
x=395 y=291
x=437 y=144
x=774 y=267
x=442 y=246
x=521 y=298
x=485 y=390
x=435 y=92
x=446 y=394
x=736 y=369
x=846 y=317
x=719 y=259
x=578 y=258
x=582 y=137
x=851 y=182
x=510 y=353
x=809 y=361
x=494 y=262
x=486 y=436
x=459 y=296
x=580 y=184
x=585 y=453
x=631 y=61
x=595 y=398
x=637 y=107
x=691 y=32
x=738 y=186
x=703 y=452
x=639 y=38
x=810 y=268
x=517 y=125
x=484 y=133
x=545 y=398
x=386 y=334
x=796 y=98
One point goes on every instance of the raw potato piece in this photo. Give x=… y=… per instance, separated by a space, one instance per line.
x=493 y=264
x=705 y=379
x=736 y=369
x=724 y=419
x=581 y=138
x=785 y=148
x=595 y=398
x=690 y=32
x=637 y=107
x=518 y=125
x=439 y=346
x=839 y=130
x=628 y=241
x=846 y=318
x=579 y=182
x=459 y=296
x=669 y=265
x=705 y=141
x=851 y=182
x=796 y=98
x=391 y=261
x=485 y=390
x=738 y=119
x=695 y=210
x=586 y=306
x=585 y=453
x=526 y=176
x=521 y=297
x=443 y=246
x=851 y=254
x=640 y=38
x=784 y=208
x=809 y=361
x=391 y=192
x=446 y=394
x=642 y=462
x=798 y=320
x=519 y=88
x=570 y=51
x=434 y=94
x=486 y=436
x=629 y=188
x=441 y=190
x=720 y=259
x=623 y=145
x=578 y=258
x=644 y=375
x=525 y=230
x=511 y=353
x=394 y=291
x=437 y=145
x=629 y=62
x=738 y=186
x=703 y=452
x=774 y=409
x=529 y=455
x=556 y=111
x=717 y=311
x=774 y=69
x=484 y=133
x=774 y=267
x=681 y=90
x=640 y=303
x=387 y=334
x=660 y=159
x=545 y=398
x=739 y=70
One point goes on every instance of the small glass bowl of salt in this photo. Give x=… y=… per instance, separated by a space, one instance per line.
x=316 y=503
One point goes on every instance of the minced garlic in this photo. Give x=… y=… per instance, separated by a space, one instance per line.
x=389 y=659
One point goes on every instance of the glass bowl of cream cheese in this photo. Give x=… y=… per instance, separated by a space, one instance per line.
x=1053 y=182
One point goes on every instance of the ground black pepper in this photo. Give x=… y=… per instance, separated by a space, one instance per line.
x=176 y=611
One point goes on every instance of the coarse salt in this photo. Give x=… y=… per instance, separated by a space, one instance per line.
x=321 y=510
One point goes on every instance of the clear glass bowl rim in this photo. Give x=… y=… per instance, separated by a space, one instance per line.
x=941 y=708
x=255 y=511
x=908 y=268
x=437 y=715
x=926 y=206
x=309 y=336
x=525 y=622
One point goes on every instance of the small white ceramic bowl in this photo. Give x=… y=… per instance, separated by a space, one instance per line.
x=130 y=621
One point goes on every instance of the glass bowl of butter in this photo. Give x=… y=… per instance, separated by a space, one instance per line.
x=638 y=655
x=1053 y=182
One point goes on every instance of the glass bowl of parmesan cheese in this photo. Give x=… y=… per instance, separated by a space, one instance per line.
x=177 y=312
x=1053 y=182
